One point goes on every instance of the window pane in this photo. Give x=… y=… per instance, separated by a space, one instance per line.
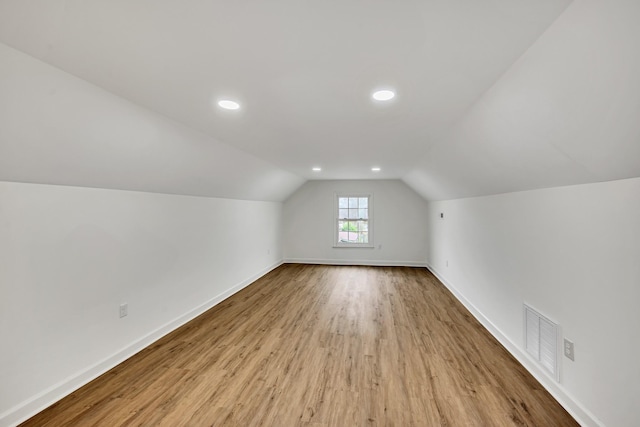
x=353 y=220
x=343 y=234
x=348 y=226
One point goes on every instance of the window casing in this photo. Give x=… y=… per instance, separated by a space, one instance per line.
x=353 y=225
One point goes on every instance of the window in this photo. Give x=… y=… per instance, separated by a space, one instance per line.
x=353 y=224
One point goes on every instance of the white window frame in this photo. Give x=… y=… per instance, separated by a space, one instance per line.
x=336 y=218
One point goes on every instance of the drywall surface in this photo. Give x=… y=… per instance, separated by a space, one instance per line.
x=565 y=113
x=70 y=256
x=399 y=229
x=572 y=253
x=58 y=129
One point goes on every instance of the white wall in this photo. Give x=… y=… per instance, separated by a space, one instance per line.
x=574 y=254
x=398 y=219
x=69 y=256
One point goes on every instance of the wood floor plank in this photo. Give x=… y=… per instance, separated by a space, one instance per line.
x=310 y=345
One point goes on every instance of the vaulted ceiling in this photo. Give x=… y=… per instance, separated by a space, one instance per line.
x=491 y=96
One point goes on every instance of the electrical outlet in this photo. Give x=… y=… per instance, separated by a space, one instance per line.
x=124 y=309
x=568 y=349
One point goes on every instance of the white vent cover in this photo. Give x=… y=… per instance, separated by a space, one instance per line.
x=541 y=340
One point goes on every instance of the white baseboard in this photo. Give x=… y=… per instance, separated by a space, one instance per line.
x=577 y=411
x=46 y=398
x=365 y=262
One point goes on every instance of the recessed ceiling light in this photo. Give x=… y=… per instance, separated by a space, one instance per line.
x=316 y=169
x=383 y=95
x=227 y=104
x=375 y=169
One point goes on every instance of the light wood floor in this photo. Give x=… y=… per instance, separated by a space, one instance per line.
x=320 y=345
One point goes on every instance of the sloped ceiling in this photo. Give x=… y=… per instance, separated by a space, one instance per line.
x=567 y=112
x=492 y=96
x=58 y=129
x=303 y=73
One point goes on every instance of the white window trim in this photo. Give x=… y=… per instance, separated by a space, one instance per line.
x=336 y=242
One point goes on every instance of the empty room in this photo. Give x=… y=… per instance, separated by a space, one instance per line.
x=333 y=213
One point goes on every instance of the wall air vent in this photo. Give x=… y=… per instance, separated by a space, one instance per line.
x=541 y=340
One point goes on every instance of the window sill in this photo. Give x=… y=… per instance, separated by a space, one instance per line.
x=354 y=246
